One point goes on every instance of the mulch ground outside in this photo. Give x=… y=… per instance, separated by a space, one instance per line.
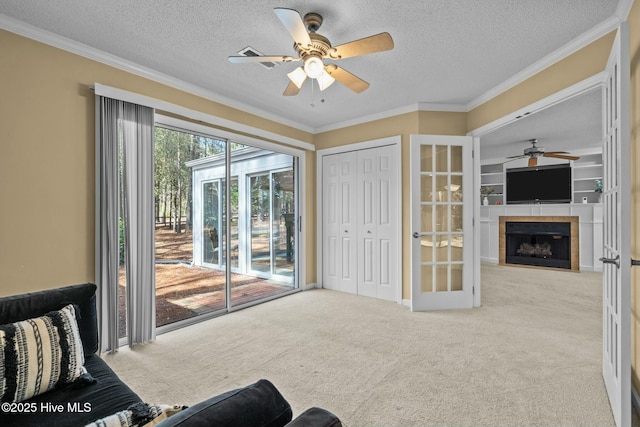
x=184 y=291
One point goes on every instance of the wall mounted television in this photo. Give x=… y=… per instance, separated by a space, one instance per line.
x=540 y=184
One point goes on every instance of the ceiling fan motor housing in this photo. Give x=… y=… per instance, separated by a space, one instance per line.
x=534 y=151
x=320 y=46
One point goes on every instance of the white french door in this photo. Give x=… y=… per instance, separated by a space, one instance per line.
x=441 y=222
x=616 y=277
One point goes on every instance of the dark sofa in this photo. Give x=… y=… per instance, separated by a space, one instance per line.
x=259 y=404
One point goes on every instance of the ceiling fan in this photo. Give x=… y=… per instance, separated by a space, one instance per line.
x=312 y=48
x=534 y=152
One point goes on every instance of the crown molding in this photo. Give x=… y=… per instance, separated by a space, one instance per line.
x=623 y=9
x=372 y=117
x=431 y=106
x=38 y=34
x=31 y=32
x=573 y=46
x=412 y=108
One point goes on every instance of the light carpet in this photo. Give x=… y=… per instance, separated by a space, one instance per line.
x=530 y=356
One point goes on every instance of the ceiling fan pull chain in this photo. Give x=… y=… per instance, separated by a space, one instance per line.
x=312 y=92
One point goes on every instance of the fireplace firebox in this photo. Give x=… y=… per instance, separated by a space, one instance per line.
x=540 y=241
x=543 y=244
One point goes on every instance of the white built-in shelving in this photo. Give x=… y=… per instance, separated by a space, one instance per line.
x=585 y=171
x=492 y=176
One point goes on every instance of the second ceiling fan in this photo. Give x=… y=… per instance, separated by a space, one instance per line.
x=312 y=48
x=534 y=152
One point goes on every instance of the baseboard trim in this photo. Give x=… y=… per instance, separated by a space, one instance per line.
x=309 y=286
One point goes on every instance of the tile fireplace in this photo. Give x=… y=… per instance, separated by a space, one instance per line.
x=537 y=241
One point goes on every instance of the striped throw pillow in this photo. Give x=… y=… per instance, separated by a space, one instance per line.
x=40 y=354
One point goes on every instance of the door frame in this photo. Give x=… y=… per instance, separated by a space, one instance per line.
x=595 y=82
x=396 y=142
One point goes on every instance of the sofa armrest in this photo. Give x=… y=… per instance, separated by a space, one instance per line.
x=315 y=417
x=258 y=405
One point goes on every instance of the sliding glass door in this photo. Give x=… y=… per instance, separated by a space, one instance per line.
x=201 y=222
x=192 y=276
x=272 y=226
x=266 y=225
x=185 y=290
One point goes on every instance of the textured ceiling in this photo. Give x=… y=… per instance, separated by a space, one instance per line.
x=574 y=125
x=447 y=52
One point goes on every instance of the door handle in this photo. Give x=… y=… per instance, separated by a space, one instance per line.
x=416 y=235
x=615 y=260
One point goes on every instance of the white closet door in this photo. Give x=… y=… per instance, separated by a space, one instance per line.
x=339 y=222
x=377 y=239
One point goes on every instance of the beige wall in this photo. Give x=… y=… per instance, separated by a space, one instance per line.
x=47 y=157
x=579 y=66
x=426 y=122
x=47 y=160
x=634 y=36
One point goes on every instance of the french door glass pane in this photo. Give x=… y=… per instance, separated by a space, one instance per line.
x=441 y=218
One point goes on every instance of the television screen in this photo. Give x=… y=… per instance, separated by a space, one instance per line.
x=540 y=184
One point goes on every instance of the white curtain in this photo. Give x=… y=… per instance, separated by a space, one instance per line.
x=129 y=126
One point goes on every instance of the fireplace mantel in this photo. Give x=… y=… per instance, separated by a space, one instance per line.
x=574 y=239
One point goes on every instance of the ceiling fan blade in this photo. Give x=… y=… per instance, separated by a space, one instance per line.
x=513 y=158
x=519 y=156
x=533 y=161
x=351 y=81
x=293 y=23
x=555 y=152
x=291 y=90
x=241 y=59
x=560 y=156
x=378 y=43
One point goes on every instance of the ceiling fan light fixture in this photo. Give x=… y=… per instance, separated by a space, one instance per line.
x=297 y=76
x=325 y=80
x=313 y=67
